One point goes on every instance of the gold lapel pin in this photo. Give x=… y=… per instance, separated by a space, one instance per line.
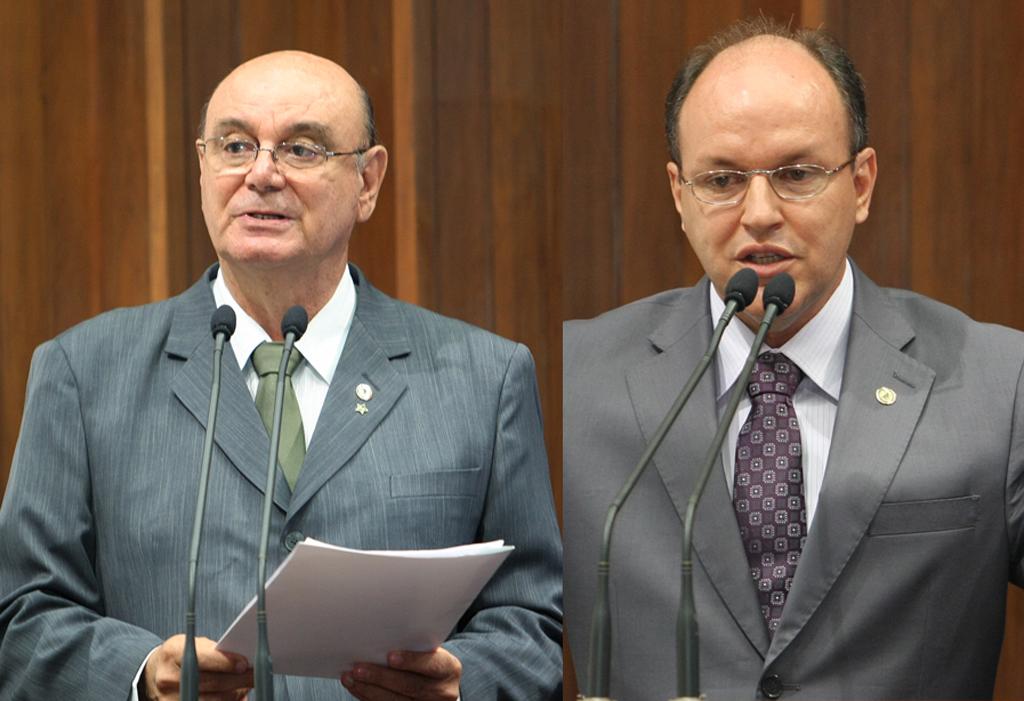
x=361 y=409
x=364 y=392
x=885 y=396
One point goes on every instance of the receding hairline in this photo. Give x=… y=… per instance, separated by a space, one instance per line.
x=819 y=45
x=751 y=43
x=752 y=51
x=299 y=60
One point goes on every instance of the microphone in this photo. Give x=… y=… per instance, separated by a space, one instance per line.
x=292 y=327
x=740 y=291
x=222 y=325
x=778 y=295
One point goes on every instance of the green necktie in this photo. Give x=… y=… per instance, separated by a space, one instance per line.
x=266 y=359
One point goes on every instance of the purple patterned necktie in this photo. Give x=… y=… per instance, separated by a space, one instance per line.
x=768 y=489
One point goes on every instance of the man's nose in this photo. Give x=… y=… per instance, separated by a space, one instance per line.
x=761 y=206
x=265 y=173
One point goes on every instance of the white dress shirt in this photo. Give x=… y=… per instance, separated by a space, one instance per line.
x=819 y=349
x=321 y=347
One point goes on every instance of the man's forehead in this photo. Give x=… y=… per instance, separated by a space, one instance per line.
x=761 y=61
x=292 y=91
x=285 y=65
x=768 y=89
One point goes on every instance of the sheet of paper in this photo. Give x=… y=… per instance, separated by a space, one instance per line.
x=328 y=607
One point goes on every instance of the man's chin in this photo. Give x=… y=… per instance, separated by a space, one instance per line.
x=259 y=259
x=753 y=315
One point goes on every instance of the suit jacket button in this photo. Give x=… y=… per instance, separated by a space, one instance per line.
x=293 y=539
x=771 y=686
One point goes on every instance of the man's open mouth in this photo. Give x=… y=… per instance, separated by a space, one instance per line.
x=764 y=258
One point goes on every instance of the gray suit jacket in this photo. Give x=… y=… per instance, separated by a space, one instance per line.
x=95 y=525
x=901 y=589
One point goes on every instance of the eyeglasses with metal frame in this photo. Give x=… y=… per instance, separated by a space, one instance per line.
x=228 y=152
x=800 y=181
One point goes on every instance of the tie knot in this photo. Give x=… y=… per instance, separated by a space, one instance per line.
x=774 y=373
x=266 y=359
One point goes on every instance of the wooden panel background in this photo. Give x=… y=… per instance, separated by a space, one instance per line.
x=527 y=176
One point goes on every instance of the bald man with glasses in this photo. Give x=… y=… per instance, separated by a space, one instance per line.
x=856 y=538
x=95 y=525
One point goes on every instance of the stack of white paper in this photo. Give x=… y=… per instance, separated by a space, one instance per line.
x=328 y=607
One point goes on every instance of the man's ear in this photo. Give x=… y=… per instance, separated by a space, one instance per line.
x=675 y=184
x=375 y=164
x=865 y=173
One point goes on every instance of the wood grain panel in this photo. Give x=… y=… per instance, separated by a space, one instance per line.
x=121 y=242
x=940 y=156
x=210 y=49
x=1010 y=679
x=412 y=142
x=463 y=280
x=880 y=47
x=524 y=135
x=782 y=10
x=655 y=254
x=363 y=37
x=156 y=148
x=71 y=85
x=264 y=26
x=178 y=132
x=520 y=186
x=25 y=312
x=994 y=230
x=591 y=229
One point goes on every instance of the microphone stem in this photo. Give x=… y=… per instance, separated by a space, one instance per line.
x=688 y=662
x=600 y=630
x=263 y=668
x=190 y=662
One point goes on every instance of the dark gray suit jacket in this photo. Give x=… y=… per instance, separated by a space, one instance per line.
x=901 y=589
x=95 y=525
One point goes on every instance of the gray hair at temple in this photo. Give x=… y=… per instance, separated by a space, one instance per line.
x=368 y=120
x=817 y=42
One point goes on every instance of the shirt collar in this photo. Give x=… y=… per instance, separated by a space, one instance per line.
x=325 y=336
x=819 y=348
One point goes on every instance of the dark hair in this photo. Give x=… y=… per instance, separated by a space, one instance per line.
x=817 y=42
x=368 y=121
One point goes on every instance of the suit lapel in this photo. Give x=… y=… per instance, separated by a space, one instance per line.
x=868 y=444
x=653 y=387
x=377 y=336
x=239 y=433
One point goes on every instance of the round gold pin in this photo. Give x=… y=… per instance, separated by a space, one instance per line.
x=364 y=392
x=885 y=396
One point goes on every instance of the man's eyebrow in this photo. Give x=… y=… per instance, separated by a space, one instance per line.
x=788 y=159
x=318 y=131
x=226 y=125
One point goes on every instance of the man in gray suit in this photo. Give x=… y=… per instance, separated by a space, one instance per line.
x=418 y=432
x=856 y=539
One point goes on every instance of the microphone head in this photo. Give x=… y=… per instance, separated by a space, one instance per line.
x=295 y=322
x=779 y=291
x=742 y=288
x=223 y=321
